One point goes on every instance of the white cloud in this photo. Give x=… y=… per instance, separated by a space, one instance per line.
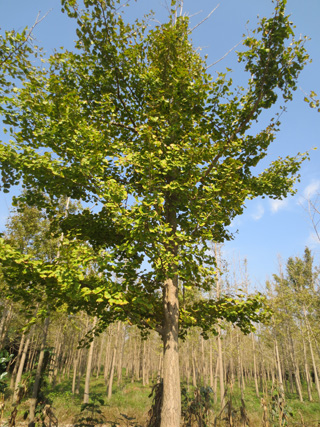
x=236 y=222
x=312 y=189
x=277 y=205
x=258 y=214
x=312 y=240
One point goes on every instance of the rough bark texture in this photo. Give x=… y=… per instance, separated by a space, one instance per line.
x=171 y=407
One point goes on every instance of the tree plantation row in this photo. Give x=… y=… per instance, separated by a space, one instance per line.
x=133 y=160
x=268 y=378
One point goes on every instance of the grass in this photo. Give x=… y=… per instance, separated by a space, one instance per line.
x=130 y=401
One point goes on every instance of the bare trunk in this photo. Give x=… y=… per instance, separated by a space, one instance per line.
x=211 y=364
x=75 y=370
x=17 y=362
x=220 y=362
x=107 y=356
x=295 y=367
x=113 y=361
x=36 y=385
x=89 y=365
x=194 y=370
x=255 y=366
x=220 y=358
x=99 y=363
x=120 y=358
x=21 y=366
x=279 y=369
x=4 y=323
x=240 y=369
x=316 y=378
x=171 y=406
x=306 y=369
x=143 y=362
x=215 y=386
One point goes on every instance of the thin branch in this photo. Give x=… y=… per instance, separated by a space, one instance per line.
x=312 y=211
x=27 y=38
x=124 y=126
x=222 y=57
x=205 y=19
x=181 y=7
x=242 y=125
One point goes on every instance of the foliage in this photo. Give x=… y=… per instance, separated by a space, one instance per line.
x=5 y=358
x=155 y=411
x=91 y=413
x=280 y=411
x=132 y=122
x=43 y=403
x=195 y=408
x=313 y=101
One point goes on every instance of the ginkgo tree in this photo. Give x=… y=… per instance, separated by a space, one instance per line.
x=132 y=122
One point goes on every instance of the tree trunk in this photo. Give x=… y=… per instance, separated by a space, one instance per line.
x=215 y=386
x=113 y=361
x=21 y=365
x=314 y=368
x=255 y=367
x=194 y=369
x=36 y=385
x=75 y=370
x=240 y=369
x=99 y=363
x=17 y=362
x=278 y=363
x=220 y=362
x=211 y=364
x=316 y=378
x=306 y=369
x=220 y=357
x=295 y=367
x=4 y=323
x=107 y=356
x=171 y=406
x=89 y=365
x=120 y=357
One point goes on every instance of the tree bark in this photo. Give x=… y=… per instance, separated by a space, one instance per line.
x=21 y=365
x=255 y=366
x=99 y=362
x=17 y=362
x=278 y=363
x=295 y=367
x=113 y=361
x=36 y=385
x=76 y=363
x=316 y=378
x=171 y=406
x=4 y=323
x=89 y=365
x=306 y=369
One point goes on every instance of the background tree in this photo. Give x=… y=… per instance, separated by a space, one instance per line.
x=133 y=122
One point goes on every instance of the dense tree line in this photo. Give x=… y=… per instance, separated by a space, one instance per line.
x=282 y=356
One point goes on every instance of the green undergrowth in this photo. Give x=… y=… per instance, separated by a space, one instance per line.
x=130 y=404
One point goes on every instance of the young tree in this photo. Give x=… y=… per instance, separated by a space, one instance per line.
x=133 y=122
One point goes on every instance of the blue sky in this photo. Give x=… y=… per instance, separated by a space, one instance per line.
x=268 y=228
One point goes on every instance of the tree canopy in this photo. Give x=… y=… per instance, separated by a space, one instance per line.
x=132 y=122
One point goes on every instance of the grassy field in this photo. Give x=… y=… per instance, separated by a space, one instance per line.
x=130 y=404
